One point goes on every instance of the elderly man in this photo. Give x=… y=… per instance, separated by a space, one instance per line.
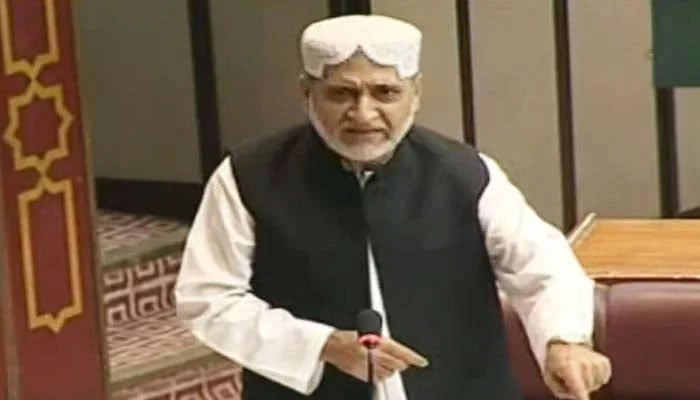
x=299 y=230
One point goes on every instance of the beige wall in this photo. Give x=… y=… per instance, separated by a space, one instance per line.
x=614 y=111
x=515 y=96
x=688 y=126
x=515 y=99
x=136 y=78
x=441 y=107
x=260 y=95
x=515 y=108
x=257 y=63
x=140 y=104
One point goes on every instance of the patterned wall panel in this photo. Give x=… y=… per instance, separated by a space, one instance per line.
x=46 y=205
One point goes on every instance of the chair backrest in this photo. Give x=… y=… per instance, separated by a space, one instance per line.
x=652 y=335
x=651 y=332
x=523 y=362
x=691 y=213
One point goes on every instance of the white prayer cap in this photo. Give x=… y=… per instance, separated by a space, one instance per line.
x=384 y=40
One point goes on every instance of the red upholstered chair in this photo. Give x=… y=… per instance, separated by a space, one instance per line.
x=525 y=367
x=651 y=332
x=653 y=338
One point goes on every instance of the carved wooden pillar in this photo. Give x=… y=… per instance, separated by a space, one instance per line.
x=53 y=319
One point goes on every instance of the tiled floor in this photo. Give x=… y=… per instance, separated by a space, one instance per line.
x=210 y=382
x=152 y=356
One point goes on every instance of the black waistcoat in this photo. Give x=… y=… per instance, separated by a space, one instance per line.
x=313 y=222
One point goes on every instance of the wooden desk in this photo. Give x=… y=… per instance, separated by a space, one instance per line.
x=623 y=249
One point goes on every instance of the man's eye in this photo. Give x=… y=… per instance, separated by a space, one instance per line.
x=387 y=92
x=341 y=93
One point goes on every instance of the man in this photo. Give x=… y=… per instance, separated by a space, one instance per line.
x=299 y=231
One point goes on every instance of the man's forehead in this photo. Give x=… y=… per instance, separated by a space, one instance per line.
x=358 y=72
x=362 y=81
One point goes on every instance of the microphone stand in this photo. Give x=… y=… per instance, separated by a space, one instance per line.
x=369 y=324
x=370 y=373
x=370 y=342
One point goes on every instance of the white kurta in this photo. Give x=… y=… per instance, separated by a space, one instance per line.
x=534 y=265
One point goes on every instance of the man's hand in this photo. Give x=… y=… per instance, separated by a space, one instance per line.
x=343 y=351
x=573 y=371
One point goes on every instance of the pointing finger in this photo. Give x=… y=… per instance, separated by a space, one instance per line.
x=402 y=352
x=573 y=378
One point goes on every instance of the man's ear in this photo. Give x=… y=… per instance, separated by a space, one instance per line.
x=304 y=90
x=417 y=90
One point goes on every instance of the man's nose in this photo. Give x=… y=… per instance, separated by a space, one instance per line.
x=364 y=110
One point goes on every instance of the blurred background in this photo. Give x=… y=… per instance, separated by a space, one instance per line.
x=578 y=135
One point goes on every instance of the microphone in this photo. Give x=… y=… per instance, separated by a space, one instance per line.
x=369 y=328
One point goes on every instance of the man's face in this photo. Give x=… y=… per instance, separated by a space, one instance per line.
x=362 y=110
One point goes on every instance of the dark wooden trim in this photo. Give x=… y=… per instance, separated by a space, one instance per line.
x=97 y=279
x=98 y=282
x=8 y=335
x=7 y=320
x=667 y=151
x=465 y=68
x=207 y=108
x=169 y=199
x=565 y=112
x=345 y=7
x=692 y=213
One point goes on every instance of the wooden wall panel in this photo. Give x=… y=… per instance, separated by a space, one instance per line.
x=515 y=101
x=688 y=125
x=137 y=74
x=441 y=103
x=261 y=95
x=614 y=110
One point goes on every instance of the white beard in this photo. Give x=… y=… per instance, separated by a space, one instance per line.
x=358 y=153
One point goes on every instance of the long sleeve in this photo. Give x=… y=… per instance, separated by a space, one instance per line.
x=535 y=267
x=215 y=301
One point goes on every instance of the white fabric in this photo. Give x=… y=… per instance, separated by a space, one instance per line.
x=384 y=40
x=534 y=265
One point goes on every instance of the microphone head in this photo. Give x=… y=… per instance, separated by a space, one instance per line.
x=369 y=322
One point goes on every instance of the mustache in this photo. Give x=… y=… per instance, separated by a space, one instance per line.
x=363 y=128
